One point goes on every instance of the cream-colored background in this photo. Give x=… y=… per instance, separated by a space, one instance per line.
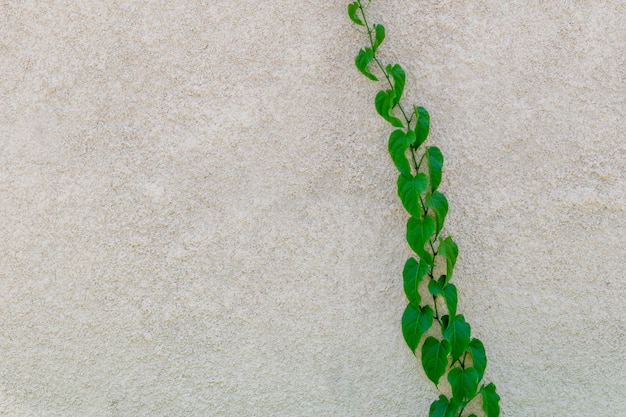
x=198 y=214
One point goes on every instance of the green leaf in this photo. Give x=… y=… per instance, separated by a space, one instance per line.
x=472 y=415
x=450 y=251
x=384 y=103
x=451 y=298
x=444 y=321
x=415 y=322
x=362 y=61
x=435 y=358
x=458 y=333
x=443 y=408
x=399 y=142
x=434 y=288
x=410 y=189
x=479 y=357
x=439 y=204
x=422 y=125
x=464 y=383
x=418 y=233
x=413 y=273
x=352 y=9
x=449 y=294
x=491 y=400
x=435 y=165
x=380 y=36
x=399 y=78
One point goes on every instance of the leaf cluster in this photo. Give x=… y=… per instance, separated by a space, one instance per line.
x=452 y=352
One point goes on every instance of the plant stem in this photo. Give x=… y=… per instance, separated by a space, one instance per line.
x=392 y=74
x=467 y=402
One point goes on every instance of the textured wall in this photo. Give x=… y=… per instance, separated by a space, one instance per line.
x=198 y=214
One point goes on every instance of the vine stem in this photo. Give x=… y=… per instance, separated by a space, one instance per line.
x=415 y=163
x=467 y=402
x=408 y=122
x=375 y=35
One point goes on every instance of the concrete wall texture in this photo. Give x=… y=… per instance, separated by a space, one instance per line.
x=198 y=215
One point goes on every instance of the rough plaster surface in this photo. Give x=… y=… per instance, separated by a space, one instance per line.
x=198 y=214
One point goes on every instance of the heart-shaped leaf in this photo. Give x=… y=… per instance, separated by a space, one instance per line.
x=491 y=400
x=418 y=233
x=352 y=9
x=412 y=274
x=435 y=165
x=399 y=78
x=379 y=31
x=443 y=408
x=410 y=189
x=435 y=358
x=399 y=142
x=362 y=61
x=422 y=125
x=464 y=382
x=479 y=357
x=439 y=204
x=449 y=294
x=458 y=333
x=415 y=322
x=450 y=251
x=384 y=103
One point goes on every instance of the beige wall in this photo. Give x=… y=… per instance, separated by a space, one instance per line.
x=198 y=215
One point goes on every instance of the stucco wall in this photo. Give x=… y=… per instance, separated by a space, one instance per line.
x=198 y=213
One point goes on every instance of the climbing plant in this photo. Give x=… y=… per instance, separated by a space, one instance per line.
x=432 y=300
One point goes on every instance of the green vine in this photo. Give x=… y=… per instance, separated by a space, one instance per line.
x=455 y=353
